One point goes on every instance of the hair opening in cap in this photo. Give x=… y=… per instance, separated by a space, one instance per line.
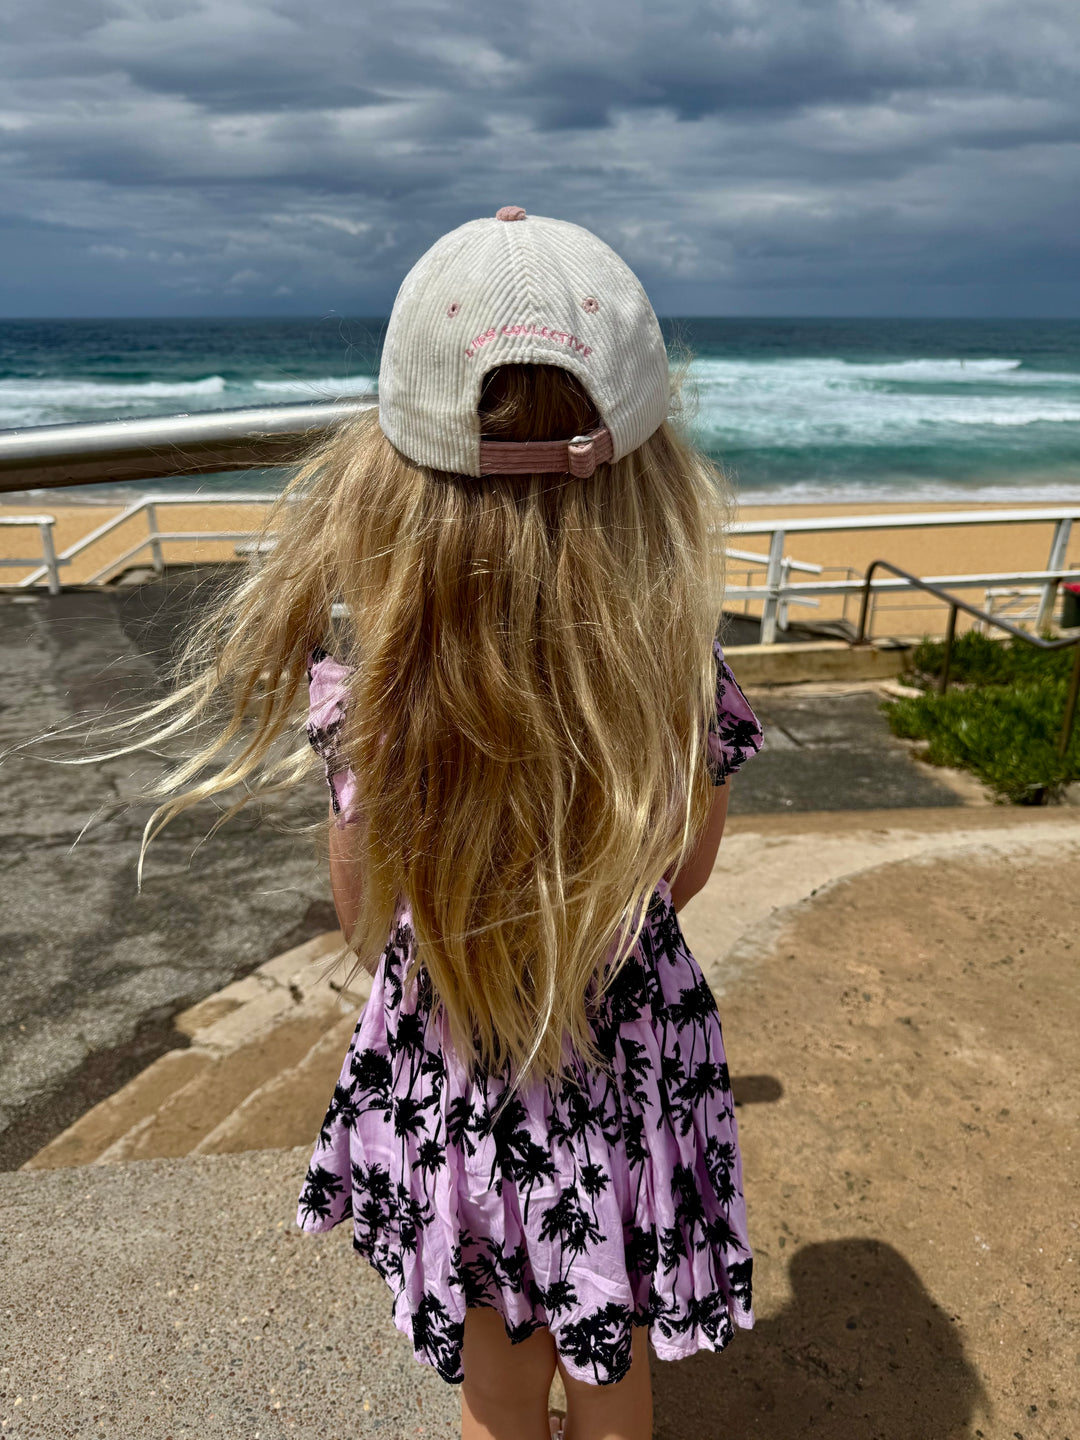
x=535 y=402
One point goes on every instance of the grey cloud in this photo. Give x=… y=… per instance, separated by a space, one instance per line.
x=562 y=61
x=733 y=149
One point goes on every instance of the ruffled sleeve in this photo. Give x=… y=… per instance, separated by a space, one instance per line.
x=327 y=700
x=734 y=732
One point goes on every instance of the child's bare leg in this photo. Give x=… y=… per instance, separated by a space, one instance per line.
x=505 y=1393
x=622 y=1411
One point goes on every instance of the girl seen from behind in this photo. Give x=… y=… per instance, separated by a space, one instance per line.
x=502 y=590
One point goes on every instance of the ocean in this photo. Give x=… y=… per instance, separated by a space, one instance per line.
x=794 y=410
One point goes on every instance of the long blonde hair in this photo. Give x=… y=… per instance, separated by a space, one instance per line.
x=532 y=679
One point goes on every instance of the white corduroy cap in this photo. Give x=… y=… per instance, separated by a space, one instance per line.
x=519 y=289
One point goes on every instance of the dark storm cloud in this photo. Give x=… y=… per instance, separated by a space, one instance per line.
x=742 y=154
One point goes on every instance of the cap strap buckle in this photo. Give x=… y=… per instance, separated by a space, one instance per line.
x=578 y=456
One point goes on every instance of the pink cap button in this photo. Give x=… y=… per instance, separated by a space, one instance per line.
x=510 y=212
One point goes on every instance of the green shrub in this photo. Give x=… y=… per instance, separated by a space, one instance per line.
x=1004 y=730
x=978 y=660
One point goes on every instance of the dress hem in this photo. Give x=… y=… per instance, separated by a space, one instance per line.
x=665 y=1351
x=665 y=1348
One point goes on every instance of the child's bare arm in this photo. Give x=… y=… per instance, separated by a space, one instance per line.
x=694 y=874
x=344 y=874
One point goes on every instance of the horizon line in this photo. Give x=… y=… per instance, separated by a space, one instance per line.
x=383 y=318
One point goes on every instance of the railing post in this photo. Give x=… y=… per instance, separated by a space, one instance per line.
x=48 y=554
x=782 y=608
x=946 y=664
x=861 y=636
x=773 y=583
x=848 y=573
x=1070 y=703
x=155 y=544
x=1059 y=547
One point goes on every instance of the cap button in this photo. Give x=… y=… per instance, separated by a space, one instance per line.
x=510 y=212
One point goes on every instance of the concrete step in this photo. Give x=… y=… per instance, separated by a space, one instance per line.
x=241 y=1039
x=120 y=1114
x=288 y=1108
x=817 y=661
x=199 y=1107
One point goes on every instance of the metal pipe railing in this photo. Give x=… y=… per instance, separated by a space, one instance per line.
x=955 y=603
x=161 y=446
x=154 y=536
x=124 y=451
x=888 y=587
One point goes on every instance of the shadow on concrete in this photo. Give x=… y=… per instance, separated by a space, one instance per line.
x=739 y=629
x=94 y=970
x=158 y=614
x=832 y=752
x=860 y=1352
x=756 y=1089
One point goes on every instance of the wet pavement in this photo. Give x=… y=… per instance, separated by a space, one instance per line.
x=94 y=971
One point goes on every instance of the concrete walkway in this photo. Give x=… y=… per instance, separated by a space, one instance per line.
x=900 y=1006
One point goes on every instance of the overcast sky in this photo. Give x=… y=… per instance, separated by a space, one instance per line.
x=201 y=157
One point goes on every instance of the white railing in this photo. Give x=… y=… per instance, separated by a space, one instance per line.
x=50 y=569
x=154 y=537
x=778 y=589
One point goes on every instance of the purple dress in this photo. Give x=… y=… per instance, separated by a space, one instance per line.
x=587 y=1204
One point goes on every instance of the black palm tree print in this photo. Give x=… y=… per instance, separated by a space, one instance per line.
x=601 y=1342
x=536 y=1201
x=320 y=1188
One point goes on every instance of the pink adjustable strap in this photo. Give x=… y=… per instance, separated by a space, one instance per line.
x=579 y=456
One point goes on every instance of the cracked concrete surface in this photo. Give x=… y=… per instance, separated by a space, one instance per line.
x=93 y=970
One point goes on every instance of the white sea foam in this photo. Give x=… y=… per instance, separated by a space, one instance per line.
x=1027 y=490
x=71 y=394
x=328 y=387
x=54 y=401
x=803 y=370
x=804 y=402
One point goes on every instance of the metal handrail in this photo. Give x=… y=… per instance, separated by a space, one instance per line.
x=160 y=446
x=148 y=505
x=895 y=587
x=955 y=604
x=44 y=525
x=778 y=530
x=804 y=567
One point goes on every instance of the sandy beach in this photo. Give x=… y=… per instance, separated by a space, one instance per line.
x=989 y=548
